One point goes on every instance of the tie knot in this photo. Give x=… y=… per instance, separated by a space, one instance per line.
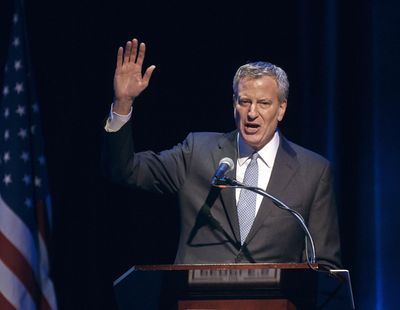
x=254 y=156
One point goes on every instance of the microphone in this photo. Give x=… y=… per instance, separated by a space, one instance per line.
x=225 y=165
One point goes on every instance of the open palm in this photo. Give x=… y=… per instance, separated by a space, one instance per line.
x=128 y=79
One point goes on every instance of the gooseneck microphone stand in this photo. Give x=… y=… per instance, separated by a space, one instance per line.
x=225 y=182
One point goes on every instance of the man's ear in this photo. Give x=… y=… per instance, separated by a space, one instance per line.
x=282 y=109
x=234 y=105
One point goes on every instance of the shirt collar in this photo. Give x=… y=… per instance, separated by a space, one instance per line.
x=267 y=153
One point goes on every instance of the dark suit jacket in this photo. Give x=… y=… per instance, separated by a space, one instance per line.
x=209 y=231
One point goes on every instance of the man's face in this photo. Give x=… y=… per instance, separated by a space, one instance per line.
x=258 y=110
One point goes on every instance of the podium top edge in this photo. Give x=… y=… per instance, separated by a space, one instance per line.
x=224 y=266
x=231 y=266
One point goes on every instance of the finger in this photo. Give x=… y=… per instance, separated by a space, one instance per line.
x=148 y=73
x=119 y=57
x=133 y=50
x=142 y=51
x=127 y=53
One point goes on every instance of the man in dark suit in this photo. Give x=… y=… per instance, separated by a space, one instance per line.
x=230 y=226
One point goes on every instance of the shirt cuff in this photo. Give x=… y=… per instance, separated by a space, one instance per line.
x=115 y=121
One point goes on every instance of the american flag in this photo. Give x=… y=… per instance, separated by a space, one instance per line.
x=24 y=198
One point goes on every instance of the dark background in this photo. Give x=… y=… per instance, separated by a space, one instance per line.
x=341 y=59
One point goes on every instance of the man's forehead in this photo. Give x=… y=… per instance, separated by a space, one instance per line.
x=262 y=81
x=255 y=78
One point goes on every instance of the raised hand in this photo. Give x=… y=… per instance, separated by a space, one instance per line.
x=128 y=79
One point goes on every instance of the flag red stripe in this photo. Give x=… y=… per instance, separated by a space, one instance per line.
x=17 y=263
x=44 y=304
x=5 y=304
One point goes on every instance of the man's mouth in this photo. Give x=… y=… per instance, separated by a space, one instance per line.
x=251 y=128
x=251 y=125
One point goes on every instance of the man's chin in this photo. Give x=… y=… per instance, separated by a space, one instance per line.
x=251 y=141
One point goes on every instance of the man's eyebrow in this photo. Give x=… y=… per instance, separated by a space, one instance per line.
x=264 y=99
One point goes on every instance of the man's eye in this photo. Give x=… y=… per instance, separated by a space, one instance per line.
x=264 y=104
x=245 y=102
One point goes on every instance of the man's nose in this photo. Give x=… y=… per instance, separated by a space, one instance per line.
x=253 y=111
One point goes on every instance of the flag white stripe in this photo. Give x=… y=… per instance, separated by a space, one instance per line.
x=12 y=289
x=18 y=233
x=45 y=281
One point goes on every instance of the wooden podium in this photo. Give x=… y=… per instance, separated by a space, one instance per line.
x=234 y=287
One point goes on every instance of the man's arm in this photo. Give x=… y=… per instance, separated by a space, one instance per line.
x=147 y=170
x=323 y=222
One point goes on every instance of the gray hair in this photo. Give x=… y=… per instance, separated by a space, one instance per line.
x=255 y=70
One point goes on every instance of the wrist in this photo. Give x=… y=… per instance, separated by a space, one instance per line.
x=122 y=105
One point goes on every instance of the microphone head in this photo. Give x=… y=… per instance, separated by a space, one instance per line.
x=228 y=161
x=225 y=165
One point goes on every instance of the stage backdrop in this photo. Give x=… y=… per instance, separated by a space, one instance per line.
x=342 y=62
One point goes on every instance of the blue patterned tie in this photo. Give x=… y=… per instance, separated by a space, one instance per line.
x=247 y=199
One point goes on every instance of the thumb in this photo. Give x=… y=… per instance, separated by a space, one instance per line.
x=148 y=73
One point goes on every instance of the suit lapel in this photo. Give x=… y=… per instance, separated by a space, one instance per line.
x=284 y=169
x=227 y=147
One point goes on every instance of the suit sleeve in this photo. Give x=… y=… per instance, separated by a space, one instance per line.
x=163 y=172
x=323 y=222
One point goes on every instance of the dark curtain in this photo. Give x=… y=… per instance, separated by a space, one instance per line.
x=342 y=62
